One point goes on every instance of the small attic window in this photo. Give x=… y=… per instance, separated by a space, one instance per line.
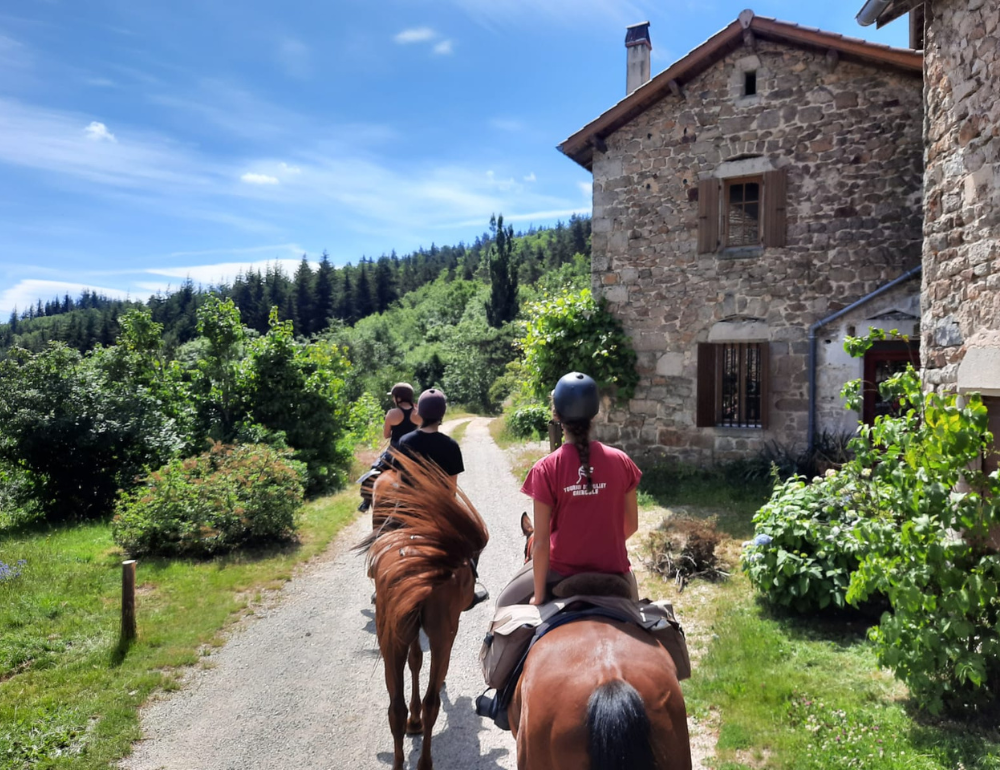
x=750 y=83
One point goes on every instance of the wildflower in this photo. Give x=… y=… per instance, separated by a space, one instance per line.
x=762 y=540
x=830 y=473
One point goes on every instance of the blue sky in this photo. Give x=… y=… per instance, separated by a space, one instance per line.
x=145 y=142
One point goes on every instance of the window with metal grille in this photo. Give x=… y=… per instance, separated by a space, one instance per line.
x=742 y=214
x=732 y=384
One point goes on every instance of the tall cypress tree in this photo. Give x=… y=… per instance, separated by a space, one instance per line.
x=502 y=304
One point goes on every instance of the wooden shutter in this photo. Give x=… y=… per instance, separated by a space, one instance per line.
x=708 y=215
x=765 y=379
x=775 y=203
x=705 y=417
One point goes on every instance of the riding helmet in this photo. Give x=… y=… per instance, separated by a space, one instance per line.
x=432 y=405
x=402 y=391
x=576 y=397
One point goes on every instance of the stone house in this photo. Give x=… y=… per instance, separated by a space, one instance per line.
x=754 y=203
x=960 y=307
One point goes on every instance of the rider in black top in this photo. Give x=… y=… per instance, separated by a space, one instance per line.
x=400 y=419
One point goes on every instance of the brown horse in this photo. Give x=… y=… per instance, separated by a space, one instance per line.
x=422 y=564
x=601 y=695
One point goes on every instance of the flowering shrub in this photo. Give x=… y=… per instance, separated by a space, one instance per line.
x=805 y=550
x=218 y=501
x=10 y=572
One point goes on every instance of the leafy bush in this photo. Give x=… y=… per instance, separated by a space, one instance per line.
x=570 y=332
x=805 y=549
x=926 y=534
x=76 y=432
x=366 y=418
x=529 y=421
x=226 y=498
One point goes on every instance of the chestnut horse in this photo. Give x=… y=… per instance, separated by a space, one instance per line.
x=421 y=561
x=601 y=695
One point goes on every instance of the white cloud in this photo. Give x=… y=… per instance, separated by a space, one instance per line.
x=226 y=272
x=98 y=132
x=251 y=178
x=27 y=293
x=101 y=83
x=290 y=169
x=564 y=13
x=587 y=188
x=444 y=48
x=416 y=35
x=531 y=177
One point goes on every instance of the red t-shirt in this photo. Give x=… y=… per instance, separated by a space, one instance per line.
x=588 y=526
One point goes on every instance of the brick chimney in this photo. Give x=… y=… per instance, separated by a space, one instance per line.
x=638 y=47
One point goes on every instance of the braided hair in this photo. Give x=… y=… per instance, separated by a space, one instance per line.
x=578 y=431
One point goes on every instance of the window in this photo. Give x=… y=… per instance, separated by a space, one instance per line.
x=750 y=83
x=732 y=384
x=742 y=212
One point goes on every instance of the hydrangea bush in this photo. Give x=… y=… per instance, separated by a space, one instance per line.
x=805 y=549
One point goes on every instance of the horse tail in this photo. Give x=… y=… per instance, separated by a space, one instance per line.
x=437 y=531
x=618 y=728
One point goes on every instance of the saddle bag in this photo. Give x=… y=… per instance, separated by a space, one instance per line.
x=509 y=635
x=659 y=619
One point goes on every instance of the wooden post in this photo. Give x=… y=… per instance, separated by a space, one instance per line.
x=128 y=601
x=555 y=436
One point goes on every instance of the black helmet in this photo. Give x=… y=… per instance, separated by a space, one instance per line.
x=402 y=391
x=575 y=397
x=432 y=405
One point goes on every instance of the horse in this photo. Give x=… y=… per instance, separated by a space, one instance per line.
x=422 y=562
x=601 y=695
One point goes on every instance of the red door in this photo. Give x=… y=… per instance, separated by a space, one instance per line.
x=883 y=360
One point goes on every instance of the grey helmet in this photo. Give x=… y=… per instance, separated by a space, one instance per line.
x=431 y=406
x=576 y=397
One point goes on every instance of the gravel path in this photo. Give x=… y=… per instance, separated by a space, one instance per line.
x=301 y=685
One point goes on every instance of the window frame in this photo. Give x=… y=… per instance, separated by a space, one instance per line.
x=709 y=385
x=712 y=213
x=726 y=209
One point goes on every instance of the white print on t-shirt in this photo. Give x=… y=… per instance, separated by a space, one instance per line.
x=583 y=473
x=578 y=490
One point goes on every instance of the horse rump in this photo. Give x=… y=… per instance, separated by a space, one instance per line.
x=618 y=728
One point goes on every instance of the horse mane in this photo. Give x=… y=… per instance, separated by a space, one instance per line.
x=440 y=531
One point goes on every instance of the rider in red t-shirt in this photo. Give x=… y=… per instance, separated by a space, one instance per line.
x=585 y=505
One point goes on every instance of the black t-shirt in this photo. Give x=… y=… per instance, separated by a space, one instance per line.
x=437 y=447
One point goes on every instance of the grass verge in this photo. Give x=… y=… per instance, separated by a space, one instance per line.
x=807 y=693
x=68 y=696
x=459 y=430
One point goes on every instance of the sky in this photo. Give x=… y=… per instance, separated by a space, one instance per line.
x=143 y=143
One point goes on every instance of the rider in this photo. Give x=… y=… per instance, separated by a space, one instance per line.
x=585 y=502
x=401 y=419
x=429 y=443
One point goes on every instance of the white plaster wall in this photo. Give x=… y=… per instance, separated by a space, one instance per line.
x=835 y=367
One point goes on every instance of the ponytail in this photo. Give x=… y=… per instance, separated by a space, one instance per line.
x=578 y=431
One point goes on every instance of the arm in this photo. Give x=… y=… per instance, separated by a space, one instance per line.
x=389 y=422
x=631 y=513
x=540 y=554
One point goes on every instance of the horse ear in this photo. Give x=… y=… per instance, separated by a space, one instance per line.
x=526 y=526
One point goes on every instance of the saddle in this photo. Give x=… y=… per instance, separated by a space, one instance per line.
x=516 y=628
x=368 y=479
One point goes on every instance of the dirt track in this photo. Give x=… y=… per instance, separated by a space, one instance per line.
x=300 y=685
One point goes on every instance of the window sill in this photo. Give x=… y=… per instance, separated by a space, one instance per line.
x=739 y=428
x=740 y=252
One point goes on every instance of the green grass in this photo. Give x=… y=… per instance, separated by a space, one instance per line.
x=68 y=696
x=459 y=430
x=807 y=694
x=728 y=497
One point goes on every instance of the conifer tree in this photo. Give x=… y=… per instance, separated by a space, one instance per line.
x=304 y=298
x=323 y=309
x=502 y=261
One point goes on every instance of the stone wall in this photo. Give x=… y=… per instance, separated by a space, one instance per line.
x=850 y=139
x=962 y=178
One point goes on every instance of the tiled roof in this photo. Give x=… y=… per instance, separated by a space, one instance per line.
x=580 y=146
